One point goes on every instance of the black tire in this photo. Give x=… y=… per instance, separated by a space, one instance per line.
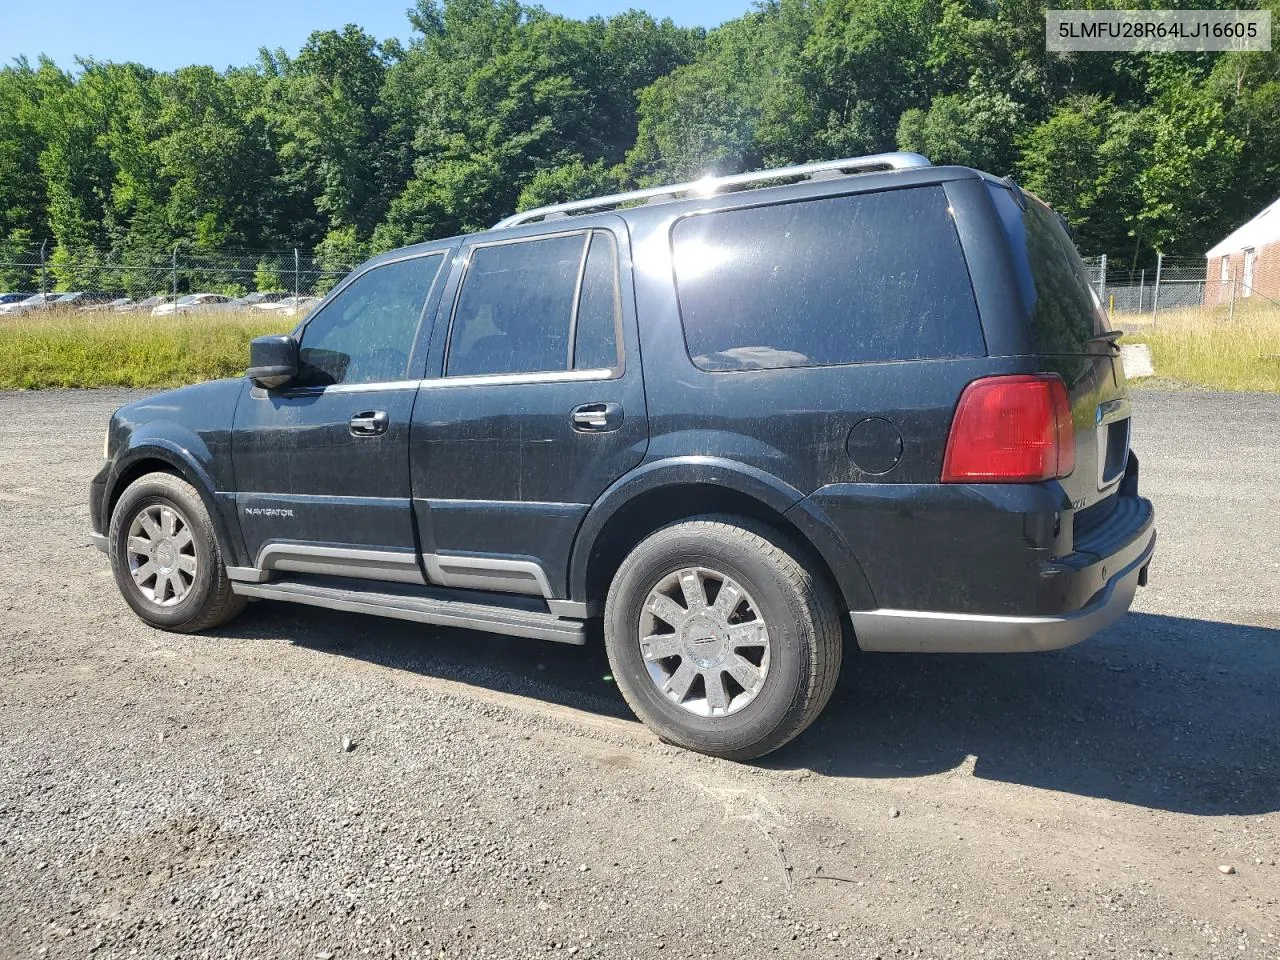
x=208 y=601
x=802 y=622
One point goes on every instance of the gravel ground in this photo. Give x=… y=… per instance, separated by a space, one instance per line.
x=171 y=796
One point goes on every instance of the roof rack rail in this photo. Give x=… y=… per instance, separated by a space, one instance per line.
x=711 y=185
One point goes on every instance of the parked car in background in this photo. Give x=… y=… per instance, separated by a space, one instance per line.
x=198 y=301
x=81 y=299
x=289 y=306
x=106 y=306
x=7 y=298
x=265 y=296
x=37 y=301
x=146 y=305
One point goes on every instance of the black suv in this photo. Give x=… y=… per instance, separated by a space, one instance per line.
x=745 y=420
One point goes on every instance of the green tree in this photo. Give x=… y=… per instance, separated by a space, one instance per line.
x=501 y=91
x=336 y=147
x=23 y=199
x=976 y=129
x=725 y=111
x=352 y=145
x=1084 y=161
x=574 y=180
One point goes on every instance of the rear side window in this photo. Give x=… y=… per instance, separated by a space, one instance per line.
x=1056 y=290
x=514 y=308
x=864 y=278
x=539 y=305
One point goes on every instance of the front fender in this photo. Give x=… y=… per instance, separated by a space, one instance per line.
x=186 y=454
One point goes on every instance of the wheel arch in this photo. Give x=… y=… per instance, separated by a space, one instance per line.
x=164 y=456
x=665 y=492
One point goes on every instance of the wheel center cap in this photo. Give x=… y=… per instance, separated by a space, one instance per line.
x=165 y=555
x=705 y=640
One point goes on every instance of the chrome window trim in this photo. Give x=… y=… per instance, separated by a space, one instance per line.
x=487 y=379
x=503 y=379
x=367 y=387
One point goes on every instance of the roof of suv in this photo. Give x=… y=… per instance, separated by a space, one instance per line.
x=852 y=175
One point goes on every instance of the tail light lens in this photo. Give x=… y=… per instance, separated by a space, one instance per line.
x=1014 y=429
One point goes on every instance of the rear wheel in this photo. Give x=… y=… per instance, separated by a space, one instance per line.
x=721 y=640
x=166 y=559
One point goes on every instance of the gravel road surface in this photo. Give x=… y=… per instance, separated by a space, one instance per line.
x=172 y=796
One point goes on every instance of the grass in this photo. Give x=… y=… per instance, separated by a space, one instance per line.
x=1193 y=347
x=126 y=350
x=1205 y=349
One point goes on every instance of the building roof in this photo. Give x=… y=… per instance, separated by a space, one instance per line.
x=1258 y=232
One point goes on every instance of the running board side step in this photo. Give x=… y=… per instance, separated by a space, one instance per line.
x=510 y=621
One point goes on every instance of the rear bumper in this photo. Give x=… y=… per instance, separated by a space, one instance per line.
x=918 y=631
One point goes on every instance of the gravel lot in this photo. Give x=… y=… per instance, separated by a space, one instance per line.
x=170 y=796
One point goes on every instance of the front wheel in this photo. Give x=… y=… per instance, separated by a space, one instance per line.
x=720 y=638
x=166 y=559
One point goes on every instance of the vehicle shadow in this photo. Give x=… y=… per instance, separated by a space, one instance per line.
x=1163 y=712
x=563 y=674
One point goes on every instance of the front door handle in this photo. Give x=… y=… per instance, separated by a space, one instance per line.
x=596 y=417
x=369 y=423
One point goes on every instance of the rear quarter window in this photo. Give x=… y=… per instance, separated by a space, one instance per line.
x=853 y=279
x=1056 y=289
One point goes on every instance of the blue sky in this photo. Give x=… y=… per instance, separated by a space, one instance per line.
x=167 y=34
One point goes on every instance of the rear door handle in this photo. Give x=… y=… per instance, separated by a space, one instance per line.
x=596 y=417
x=370 y=423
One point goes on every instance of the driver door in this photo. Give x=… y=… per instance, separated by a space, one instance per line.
x=322 y=464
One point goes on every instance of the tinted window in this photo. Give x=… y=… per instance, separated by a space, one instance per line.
x=840 y=280
x=1055 y=283
x=365 y=334
x=514 y=310
x=599 y=309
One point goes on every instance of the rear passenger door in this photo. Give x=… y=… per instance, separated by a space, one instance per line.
x=535 y=407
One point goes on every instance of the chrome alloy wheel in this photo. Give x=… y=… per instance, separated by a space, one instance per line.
x=161 y=554
x=704 y=642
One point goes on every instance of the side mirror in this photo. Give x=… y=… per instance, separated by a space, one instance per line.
x=273 y=361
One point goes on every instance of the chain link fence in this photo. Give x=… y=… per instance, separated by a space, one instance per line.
x=177 y=271
x=1217 y=287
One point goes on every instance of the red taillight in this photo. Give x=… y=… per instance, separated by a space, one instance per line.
x=1014 y=429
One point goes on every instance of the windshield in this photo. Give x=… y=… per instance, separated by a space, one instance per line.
x=189 y=298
